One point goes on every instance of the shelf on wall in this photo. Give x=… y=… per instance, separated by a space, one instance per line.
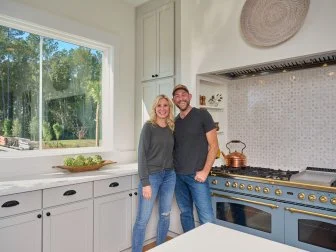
x=220 y=132
x=210 y=107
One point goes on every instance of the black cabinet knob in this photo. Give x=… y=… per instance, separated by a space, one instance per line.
x=48 y=213
x=39 y=216
x=130 y=194
x=153 y=75
x=135 y=193
x=156 y=75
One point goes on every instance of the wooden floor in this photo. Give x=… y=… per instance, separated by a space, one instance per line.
x=152 y=245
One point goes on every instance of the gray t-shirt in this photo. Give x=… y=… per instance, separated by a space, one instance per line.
x=155 y=152
x=191 y=145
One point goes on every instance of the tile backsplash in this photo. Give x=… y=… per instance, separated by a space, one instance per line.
x=287 y=120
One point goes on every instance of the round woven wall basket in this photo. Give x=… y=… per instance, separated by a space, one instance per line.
x=270 y=22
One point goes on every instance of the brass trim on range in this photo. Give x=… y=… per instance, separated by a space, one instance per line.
x=295 y=210
x=244 y=200
x=276 y=182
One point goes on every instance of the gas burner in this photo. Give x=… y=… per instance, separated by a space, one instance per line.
x=256 y=172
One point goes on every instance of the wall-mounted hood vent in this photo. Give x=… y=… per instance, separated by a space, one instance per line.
x=293 y=64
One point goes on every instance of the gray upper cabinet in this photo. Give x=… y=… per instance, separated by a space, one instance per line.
x=157 y=43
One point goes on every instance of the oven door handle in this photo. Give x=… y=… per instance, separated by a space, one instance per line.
x=244 y=200
x=295 y=210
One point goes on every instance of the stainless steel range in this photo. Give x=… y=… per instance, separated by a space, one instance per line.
x=296 y=208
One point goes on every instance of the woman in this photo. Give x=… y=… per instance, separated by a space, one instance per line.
x=155 y=167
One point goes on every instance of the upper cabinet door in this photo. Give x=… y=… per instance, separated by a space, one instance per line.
x=149 y=35
x=165 y=41
x=149 y=92
x=157 y=43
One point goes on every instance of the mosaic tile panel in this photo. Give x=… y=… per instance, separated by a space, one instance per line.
x=287 y=120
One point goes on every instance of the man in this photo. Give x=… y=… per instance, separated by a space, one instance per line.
x=195 y=150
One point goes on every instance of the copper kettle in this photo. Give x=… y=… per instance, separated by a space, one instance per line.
x=235 y=159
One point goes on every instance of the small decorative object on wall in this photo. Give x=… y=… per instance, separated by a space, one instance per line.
x=270 y=22
x=202 y=100
x=215 y=100
x=217 y=126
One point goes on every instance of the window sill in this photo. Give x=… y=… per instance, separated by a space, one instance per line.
x=48 y=153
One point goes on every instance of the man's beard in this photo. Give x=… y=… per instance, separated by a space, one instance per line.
x=186 y=107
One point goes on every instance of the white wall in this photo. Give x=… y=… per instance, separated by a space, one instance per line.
x=211 y=39
x=112 y=21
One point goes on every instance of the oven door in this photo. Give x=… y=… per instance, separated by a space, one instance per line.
x=249 y=214
x=310 y=229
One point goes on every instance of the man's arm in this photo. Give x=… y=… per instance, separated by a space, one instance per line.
x=212 y=153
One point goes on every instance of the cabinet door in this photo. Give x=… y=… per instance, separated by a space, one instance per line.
x=165 y=41
x=165 y=86
x=149 y=92
x=21 y=233
x=112 y=226
x=175 y=222
x=149 y=43
x=153 y=222
x=68 y=228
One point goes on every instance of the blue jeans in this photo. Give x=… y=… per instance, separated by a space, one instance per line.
x=188 y=192
x=162 y=184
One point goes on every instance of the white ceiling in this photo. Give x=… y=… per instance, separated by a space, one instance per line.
x=135 y=2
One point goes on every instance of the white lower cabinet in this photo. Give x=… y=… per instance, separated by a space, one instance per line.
x=112 y=222
x=153 y=221
x=21 y=233
x=175 y=223
x=68 y=228
x=175 y=220
x=21 y=222
x=83 y=217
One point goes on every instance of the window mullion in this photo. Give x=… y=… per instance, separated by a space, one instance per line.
x=40 y=96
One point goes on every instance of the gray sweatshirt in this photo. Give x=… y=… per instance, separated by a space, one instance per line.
x=155 y=152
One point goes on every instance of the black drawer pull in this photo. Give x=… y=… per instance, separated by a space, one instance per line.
x=114 y=184
x=10 y=203
x=69 y=192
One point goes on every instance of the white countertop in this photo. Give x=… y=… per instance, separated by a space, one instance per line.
x=211 y=237
x=60 y=177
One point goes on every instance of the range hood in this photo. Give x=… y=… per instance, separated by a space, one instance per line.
x=285 y=65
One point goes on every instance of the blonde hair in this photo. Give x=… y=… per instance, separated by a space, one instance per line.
x=169 y=119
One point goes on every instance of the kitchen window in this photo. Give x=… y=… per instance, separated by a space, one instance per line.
x=50 y=90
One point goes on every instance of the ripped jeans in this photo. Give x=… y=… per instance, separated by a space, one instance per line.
x=163 y=184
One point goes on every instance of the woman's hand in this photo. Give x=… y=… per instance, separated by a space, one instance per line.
x=147 y=192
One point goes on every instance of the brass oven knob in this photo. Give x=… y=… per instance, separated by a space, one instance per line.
x=266 y=190
x=242 y=186
x=278 y=192
x=214 y=182
x=257 y=189
x=311 y=197
x=234 y=184
x=323 y=199
x=227 y=184
x=249 y=187
x=301 y=196
x=333 y=201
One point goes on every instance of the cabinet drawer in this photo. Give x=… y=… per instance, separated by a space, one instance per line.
x=20 y=202
x=66 y=194
x=135 y=181
x=114 y=185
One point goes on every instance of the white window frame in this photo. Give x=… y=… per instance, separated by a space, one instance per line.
x=108 y=79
